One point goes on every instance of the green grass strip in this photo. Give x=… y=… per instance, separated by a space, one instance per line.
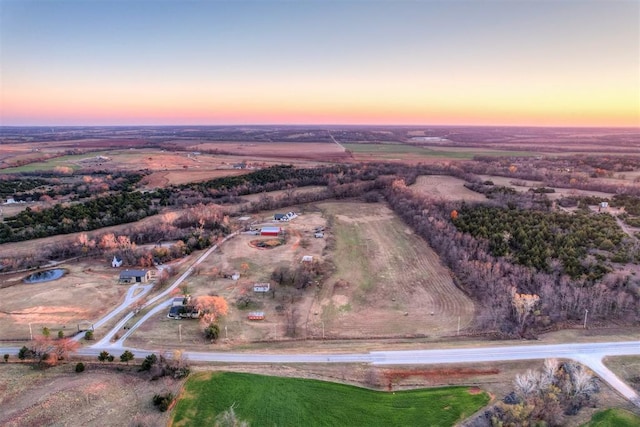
x=276 y=401
x=614 y=418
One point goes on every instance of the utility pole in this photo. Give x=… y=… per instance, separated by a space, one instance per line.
x=226 y=334
x=275 y=331
x=585 y=318
x=323 y=329
x=458 y=333
x=180 y=332
x=30 y=332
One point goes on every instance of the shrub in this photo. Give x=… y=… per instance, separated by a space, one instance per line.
x=6 y=358
x=126 y=356
x=212 y=332
x=25 y=353
x=88 y=335
x=163 y=401
x=60 y=334
x=79 y=367
x=148 y=362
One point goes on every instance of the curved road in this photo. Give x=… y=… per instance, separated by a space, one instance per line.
x=590 y=354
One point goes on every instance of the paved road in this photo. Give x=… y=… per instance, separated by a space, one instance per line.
x=590 y=354
x=130 y=299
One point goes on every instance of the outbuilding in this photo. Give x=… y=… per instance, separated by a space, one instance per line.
x=135 y=276
x=270 y=231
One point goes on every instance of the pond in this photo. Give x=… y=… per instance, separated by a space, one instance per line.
x=45 y=276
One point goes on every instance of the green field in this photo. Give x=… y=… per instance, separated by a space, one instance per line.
x=614 y=418
x=389 y=150
x=276 y=401
x=48 y=165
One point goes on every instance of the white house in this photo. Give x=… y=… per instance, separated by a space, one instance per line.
x=116 y=262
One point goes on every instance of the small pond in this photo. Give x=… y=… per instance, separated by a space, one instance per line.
x=45 y=276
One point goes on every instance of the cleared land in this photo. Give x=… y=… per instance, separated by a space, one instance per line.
x=96 y=397
x=319 y=151
x=268 y=401
x=446 y=188
x=383 y=281
x=87 y=292
x=414 y=154
x=387 y=281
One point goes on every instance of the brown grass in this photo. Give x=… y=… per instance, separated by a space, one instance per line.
x=96 y=397
x=87 y=292
x=446 y=188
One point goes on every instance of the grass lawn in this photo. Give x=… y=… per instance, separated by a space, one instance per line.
x=614 y=418
x=268 y=401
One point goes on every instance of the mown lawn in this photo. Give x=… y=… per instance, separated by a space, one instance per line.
x=276 y=401
x=614 y=418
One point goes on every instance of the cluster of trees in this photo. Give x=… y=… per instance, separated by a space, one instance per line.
x=489 y=278
x=14 y=186
x=299 y=277
x=93 y=214
x=567 y=171
x=46 y=351
x=210 y=308
x=544 y=397
x=536 y=238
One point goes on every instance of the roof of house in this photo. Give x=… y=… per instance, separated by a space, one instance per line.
x=132 y=273
x=279 y=215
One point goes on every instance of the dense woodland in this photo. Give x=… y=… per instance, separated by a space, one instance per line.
x=526 y=265
x=497 y=282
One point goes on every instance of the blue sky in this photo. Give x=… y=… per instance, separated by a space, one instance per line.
x=396 y=62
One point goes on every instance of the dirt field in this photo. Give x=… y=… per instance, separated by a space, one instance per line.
x=388 y=282
x=97 y=397
x=88 y=291
x=446 y=188
x=524 y=186
x=319 y=151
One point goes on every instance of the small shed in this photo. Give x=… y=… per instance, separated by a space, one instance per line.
x=270 y=231
x=116 y=262
x=604 y=205
x=261 y=287
x=135 y=276
x=319 y=235
x=307 y=258
x=235 y=276
x=256 y=315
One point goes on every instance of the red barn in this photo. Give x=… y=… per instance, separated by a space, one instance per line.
x=270 y=231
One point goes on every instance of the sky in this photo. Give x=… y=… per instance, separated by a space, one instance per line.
x=169 y=62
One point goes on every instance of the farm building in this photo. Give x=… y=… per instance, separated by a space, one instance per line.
x=116 y=262
x=256 y=315
x=279 y=217
x=270 y=231
x=261 y=287
x=135 y=276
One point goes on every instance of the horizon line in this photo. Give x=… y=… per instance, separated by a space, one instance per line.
x=322 y=125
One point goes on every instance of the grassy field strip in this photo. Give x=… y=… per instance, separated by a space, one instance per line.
x=391 y=149
x=268 y=401
x=614 y=418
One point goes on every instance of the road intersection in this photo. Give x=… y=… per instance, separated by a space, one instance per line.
x=589 y=354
